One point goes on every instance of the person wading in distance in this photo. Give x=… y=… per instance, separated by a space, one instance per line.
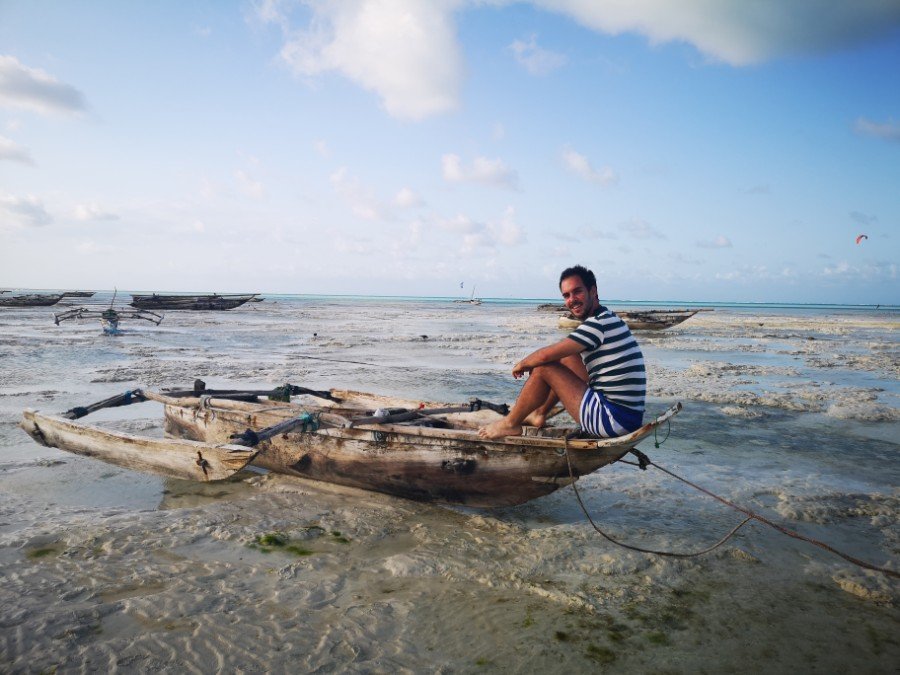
x=596 y=372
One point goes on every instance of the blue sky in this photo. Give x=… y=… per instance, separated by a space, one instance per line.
x=726 y=151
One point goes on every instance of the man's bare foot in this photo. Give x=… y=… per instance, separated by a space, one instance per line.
x=499 y=429
x=535 y=419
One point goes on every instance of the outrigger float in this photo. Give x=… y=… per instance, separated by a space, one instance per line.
x=421 y=451
x=109 y=318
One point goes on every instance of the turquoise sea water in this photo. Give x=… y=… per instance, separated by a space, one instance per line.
x=793 y=411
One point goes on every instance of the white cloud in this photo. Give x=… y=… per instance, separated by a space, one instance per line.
x=641 y=229
x=358 y=197
x=871 y=271
x=407 y=199
x=460 y=224
x=85 y=212
x=482 y=170
x=351 y=245
x=889 y=131
x=745 y=273
x=28 y=211
x=91 y=247
x=248 y=185
x=506 y=231
x=13 y=152
x=591 y=232
x=536 y=60
x=407 y=52
x=680 y=257
x=721 y=241
x=579 y=164
x=33 y=89
x=474 y=235
x=404 y=50
x=322 y=148
x=739 y=33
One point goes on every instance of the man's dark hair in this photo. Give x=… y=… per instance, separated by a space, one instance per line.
x=587 y=277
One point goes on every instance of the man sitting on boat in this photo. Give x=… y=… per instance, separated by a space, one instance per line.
x=597 y=372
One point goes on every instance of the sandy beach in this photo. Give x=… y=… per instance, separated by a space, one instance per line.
x=793 y=413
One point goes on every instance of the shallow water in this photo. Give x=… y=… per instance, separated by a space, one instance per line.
x=794 y=414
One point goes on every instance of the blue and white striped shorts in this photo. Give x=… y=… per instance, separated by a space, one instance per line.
x=603 y=418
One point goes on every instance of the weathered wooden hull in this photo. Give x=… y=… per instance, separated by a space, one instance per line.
x=195 y=302
x=444 y=465
x=646 y=320
x=167 y=457
x=30 y=300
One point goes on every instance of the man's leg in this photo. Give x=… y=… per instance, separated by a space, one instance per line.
x=553 y=379
x=539 y=416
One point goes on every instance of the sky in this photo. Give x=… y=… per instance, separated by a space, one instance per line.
x=704 y=150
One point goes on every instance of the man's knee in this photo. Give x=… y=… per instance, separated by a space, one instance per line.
x=545 y=370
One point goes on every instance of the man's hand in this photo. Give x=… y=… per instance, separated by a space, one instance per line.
x=520 y=369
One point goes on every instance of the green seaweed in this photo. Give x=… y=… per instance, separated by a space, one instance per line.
x=657 y=638
x=600 y=654
x=271 y=541
x=41 y=552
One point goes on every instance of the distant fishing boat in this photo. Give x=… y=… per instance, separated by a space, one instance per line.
x=78 y=294
x=472 y=299
x=649 y=319
x=191 y=302
x=31 y=300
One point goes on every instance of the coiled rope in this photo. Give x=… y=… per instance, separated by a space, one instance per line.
x=645 y=461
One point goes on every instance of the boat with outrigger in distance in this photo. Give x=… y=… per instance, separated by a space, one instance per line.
x=109 y=318
x=419 y=450
x=31 y=300
x=636 y=319
x=213 y=301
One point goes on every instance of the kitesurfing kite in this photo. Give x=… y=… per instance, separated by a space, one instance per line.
x=861 y=237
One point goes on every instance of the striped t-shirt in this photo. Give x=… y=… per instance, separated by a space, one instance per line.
x=613 y=359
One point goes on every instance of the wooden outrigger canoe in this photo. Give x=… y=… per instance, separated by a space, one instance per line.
x=650 y=319
x=109 y=317
x=190 y=302
x=31 y=300
x=427 y=452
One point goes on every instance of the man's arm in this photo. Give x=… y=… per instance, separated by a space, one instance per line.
x=544 y=355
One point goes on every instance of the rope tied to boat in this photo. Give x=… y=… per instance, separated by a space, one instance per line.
x=644 y=461
x=305 y=421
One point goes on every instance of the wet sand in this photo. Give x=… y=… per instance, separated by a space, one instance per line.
x=797 y=418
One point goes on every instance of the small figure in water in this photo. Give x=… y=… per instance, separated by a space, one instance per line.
x=597 y=372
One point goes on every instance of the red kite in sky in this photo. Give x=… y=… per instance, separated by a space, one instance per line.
x=861 y=237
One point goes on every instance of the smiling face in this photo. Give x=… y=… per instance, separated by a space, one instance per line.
x=580 y=300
